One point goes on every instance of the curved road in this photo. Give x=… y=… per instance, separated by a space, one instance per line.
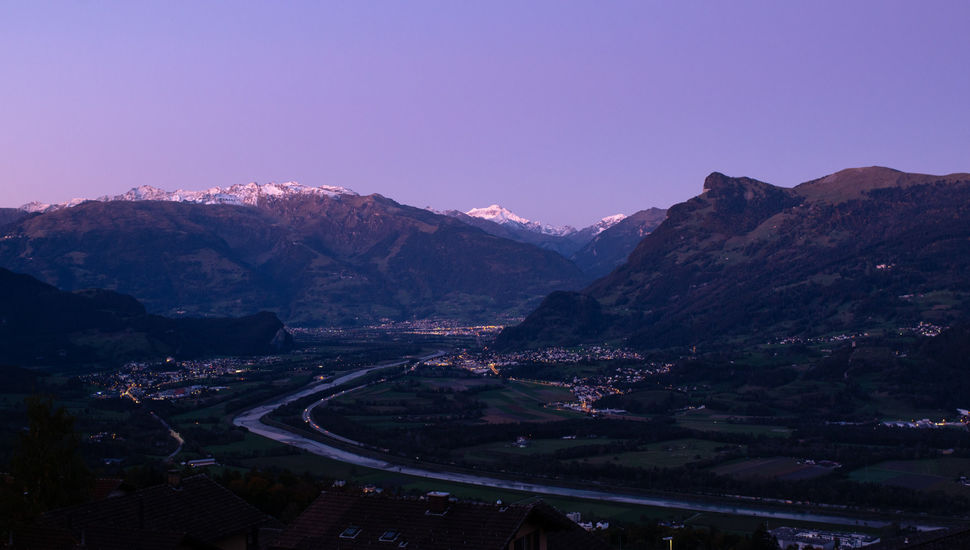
x=251 y=419
x=174 y=434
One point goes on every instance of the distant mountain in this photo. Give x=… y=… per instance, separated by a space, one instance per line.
x=565 y=240
x=564 y=246
x=612 y=244
x=41 y=325
x=241 y=194
x=313 y=255
x=502 y=216
x=862 y=249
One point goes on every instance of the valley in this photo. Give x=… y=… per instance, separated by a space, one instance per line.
x=764 y=355
x=612 y=432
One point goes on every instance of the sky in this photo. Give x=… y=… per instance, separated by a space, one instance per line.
x=562 y=111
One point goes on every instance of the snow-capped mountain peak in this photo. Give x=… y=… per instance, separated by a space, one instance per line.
x=498 y=214
x=504 y=216
x=608 y=222
x=241 y=193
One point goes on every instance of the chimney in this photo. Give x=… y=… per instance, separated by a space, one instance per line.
x=438 y=503
x=174 y=479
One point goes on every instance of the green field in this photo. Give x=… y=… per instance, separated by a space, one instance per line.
x=666 y=454
x=251 y=443
x=923 y=475
x=393 y=403
x=494 y=451
x=523 y=402
x=779 y=467
x=706 y=422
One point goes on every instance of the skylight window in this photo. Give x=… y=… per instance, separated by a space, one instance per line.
x=350 y=532
x=390 y=535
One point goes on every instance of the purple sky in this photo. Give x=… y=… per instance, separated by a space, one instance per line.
x=561 y=111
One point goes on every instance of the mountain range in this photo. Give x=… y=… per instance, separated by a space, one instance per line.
x=861 y=249
x=241 y=194
x=315 y=255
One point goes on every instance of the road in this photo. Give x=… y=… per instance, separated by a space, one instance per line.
x=174 y=434
x=251 y=419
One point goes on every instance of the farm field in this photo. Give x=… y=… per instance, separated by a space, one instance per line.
x=922 y=475
x=523 y=402
x=394 y=404
x=495 y=451
x=665 y=454
x=707 y=422
x=782 y=468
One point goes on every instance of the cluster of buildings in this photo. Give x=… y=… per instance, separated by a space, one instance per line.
x=926 y=423
x=836 y=338
x=165 y=380
x=423 y=327
x=923 y=329
x=556 y=355
x=588 y=525
x=920 y=329
x=587 y=390
x=790 y=537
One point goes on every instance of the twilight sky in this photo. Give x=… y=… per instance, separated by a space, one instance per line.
x=563 y=111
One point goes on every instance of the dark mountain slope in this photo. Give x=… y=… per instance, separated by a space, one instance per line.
x=565 y=245
x=861 y=249
x=313 y=259
x=10 y=215
x=610 y=249
x=41 y=325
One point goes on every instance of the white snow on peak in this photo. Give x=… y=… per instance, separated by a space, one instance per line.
x=503 y=216
x=35 y=206
x=242 y=194
x=608 y=222
x=497 y=214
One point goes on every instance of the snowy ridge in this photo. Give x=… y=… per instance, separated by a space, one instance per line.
x=503 y=216
x=607 y=223
x=248 y=194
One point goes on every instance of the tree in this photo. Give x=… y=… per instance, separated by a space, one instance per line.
x=46 y=463
x=761 y=539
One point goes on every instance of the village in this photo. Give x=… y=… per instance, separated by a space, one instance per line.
x=167 y=379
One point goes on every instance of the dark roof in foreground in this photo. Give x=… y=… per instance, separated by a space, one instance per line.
x=199 y=508
x=100 y=538
x=409 y=523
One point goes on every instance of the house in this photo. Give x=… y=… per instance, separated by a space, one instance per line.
x=347 y=521
x=190 y=513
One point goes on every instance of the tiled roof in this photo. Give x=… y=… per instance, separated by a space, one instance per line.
x=39 y=538
x=104 y=487
x=112 y=538
x=101 y=538
x=464 y=525
x=200 y=508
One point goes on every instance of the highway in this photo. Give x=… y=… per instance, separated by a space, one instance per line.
x=251 y=419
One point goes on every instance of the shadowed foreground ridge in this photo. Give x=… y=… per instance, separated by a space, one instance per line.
x=40 y=324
